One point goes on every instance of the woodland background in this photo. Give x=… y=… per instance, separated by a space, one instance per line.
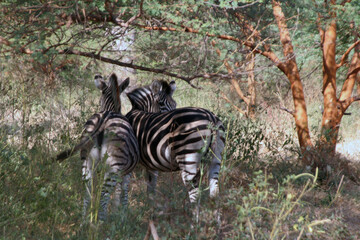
x=281 y=75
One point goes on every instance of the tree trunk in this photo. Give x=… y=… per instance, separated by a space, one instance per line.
x=332 y=110
x=292 y=73
x=251 y=85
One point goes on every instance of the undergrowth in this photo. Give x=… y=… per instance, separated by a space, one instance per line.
x=264 y=192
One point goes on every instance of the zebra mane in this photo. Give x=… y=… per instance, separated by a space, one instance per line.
x=149 y=98
x=111 y=90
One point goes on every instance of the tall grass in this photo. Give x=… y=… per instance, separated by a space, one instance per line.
x=263 y=194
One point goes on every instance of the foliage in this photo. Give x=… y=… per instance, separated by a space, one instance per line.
x=244 y=141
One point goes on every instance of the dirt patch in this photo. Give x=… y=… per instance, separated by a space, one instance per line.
x=349 y=149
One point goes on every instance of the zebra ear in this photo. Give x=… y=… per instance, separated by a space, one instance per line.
x=124 y=84
x=156 y=87
x=99 y=82
x=172 y=87
x=113 y=80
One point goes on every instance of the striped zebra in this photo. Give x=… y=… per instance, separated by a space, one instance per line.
x=175 y=139
x=107 y=136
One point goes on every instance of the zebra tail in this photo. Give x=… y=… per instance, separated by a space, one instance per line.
x=218 y=142
x=68 y=153
x=85 y=141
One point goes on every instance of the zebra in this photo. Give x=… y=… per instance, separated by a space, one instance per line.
x=175 y=139
x=107 y=135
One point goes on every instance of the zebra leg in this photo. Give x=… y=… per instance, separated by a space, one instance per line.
x=151 y=177
x=86 y=173
x=117 y=196
x=111 y=180
x=121 y=192
x=217 y=146
x=191 y=174
x=124 y=188
x=214 y=176
x=88 y=161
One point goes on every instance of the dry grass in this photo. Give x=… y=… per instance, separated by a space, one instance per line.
x=42 y=200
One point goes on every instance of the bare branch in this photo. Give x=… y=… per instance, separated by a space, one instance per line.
x=93 y=55
x=223 y=96
x=142 y=68
x=347 y=102
x=343 y=58
x=288 y=111
x=354 y=71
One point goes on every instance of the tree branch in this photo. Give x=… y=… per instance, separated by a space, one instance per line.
x=223 y=96
x=354 y=71
x=343 y=58
x=267 y=53
x=142 y=68
x=122 y=64
x=347 y=102
x=288 y=111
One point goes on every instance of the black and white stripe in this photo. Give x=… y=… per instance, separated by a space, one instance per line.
x=107 y=136
x=175 y=139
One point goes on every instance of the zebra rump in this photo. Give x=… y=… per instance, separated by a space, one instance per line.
x=176 y=139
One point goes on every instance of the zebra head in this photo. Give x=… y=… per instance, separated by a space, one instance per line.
x=156 y=97
x=111 y=90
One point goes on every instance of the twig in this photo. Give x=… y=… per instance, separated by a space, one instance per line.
x=223 y=96
x=289 y=111
x=337 y=191
x=151 y=230
x=250 y=228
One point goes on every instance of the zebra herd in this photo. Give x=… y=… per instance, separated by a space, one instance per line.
x=155 y=133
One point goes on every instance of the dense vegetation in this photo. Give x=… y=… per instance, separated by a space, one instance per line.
x=50 y=51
